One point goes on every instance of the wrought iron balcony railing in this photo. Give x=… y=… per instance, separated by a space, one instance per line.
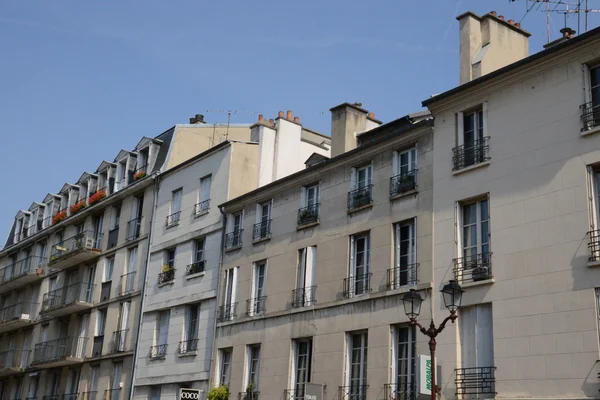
x=202 y=208
x=403 y=183
x=51 y=397
x=303 y=297
x=252 y=395
x=590 y=115
x=594 y=245
x=112 y=394
x=294 y=394
x=158 y=352
x=471 y=154
x=476 y=381
x=23 y=267
x=86 y=240
x=24 y=310
x=308 y=215
x=68 y=295
x=262 y=230
x=88 y=395
x=127 y=283
x=195 y=268
x=226 y=312
x=173 y=219
x=233 y=239
x=473 y=268
x=55 y=350
x=134 y=228
x=357 y=285
x=187 y=346
x=256 y=306
x=36 y=227
x=400 y=391
x=405 y=275
x=119 y=341
x=14 y=359
x=166 y=276
x=360 y=197
x=140 y=172
x=70 y=396
x=353 y=392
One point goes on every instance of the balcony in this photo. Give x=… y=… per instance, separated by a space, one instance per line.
x=134 y=228
x=256 y=306
x=590 y=116
x=357 y=285
x=475 y=153
x=480 y=381
x=67 y=300
x=233 y=240
x=25 y=271
x=166 y=276
x=188 y=346
x=88 y=395
x=403 y=183
x=195 y=268
x=158 y=352
x=113 y=238
x=202 y=208
x=308 y=215
x=354 y=392
x=119 y=342
x=226 y=312
x=405 y=275
x=112 y=394
x=17 y=316
x=359 y=198
x=140 y=173
x=51 y=397
x=252 y=395
x=304 y=297
x=75 y=250
x=400 y=391
x=36 y=227
x=59 y=352
x=173 y=219
x=13 y=361
x=473 y=268
x=294 y=394
x=127 y=283
x=593 y=245
x=70 y=396
x=97 y=196
x=262 y=231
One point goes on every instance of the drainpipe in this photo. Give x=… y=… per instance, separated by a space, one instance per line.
x=139 y=330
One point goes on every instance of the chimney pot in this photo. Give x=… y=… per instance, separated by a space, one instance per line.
x=372 y=115
x=199 y=118
x=501 y=17
x=280 y=114
x=192 y=120
x=511 y=21
x=493 y=13
x=297 y=120
x=518 y=25
x=289 y=115
x=260 y=117
x=567 y=32
x=271 y=120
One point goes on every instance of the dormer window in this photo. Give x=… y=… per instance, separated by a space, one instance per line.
x=35 y=220
x=121 y=175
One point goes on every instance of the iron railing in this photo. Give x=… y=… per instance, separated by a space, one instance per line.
x=86 y=240
x=403 y=183
x=119 y=341
x=303 y=297
x=256 y=306
x=202 y=208
x=308 y=215
x=166 y=276
x=14 y=359
x=400 y=391
x=89 y=395
x=357 y=285
x=226 y=312
x=473 y=268
x=127 y=283
x=233 y=239
x=476 y=381
x=594 y=245
x=55 y=350
x=36 y=227
x=66 y=296
x=24 y=266
x=405 y=275
x=140 y=172
x=134 y=228
x=112 y=394
x=475 y=153
x=159 y=351
x=195 y=268
x=24 y=310
x=252 y=395
x=187 y=346
x=173 y=219
x=70 y=396
x=99 y=196
x=360 y=197
x=590 y=115
x=353 y=392
x=262 y=230
x=51 y=397
x=294 y=394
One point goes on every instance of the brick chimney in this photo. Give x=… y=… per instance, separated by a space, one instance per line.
x=489 y=43
x=197 y=119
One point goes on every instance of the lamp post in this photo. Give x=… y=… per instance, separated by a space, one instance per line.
x=452 y=294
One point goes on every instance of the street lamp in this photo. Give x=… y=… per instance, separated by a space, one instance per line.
x=452 y=294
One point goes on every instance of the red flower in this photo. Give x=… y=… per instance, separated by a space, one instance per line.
x=81 y=204
x=99 y=195
x=59 y=217
x=139 y=175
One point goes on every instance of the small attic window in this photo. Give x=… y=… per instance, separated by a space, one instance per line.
x=480 y=54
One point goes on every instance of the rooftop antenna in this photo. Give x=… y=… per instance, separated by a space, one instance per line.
x=229 y=114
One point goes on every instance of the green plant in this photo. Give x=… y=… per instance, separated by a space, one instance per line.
x=218 y=393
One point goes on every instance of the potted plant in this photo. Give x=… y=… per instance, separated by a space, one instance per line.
x=39 y=271
x=480 y=273
x=96 y=197
x=80 y=205
x=61 y=215
x=218 y=393
x=139 y=175
x=405 y=182
x=307 y=215
x=250 y=393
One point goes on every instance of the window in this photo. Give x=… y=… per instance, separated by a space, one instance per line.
x=98 y=226
x=116 y=217
x=301 y=366
x=591 y=108
x=199 y=250
x=197 y=265
x=361 y=180
x=161 y=334
x=358 y=282
x=135 y=224
x=309 y=205
x=193 y=312
x=403 y=377
x=405 y=255
x=253 y=367
x=101 y=322
x=155 y=393
x=225 y=370
x=472 y=147
x=109 y=266
x=262 y=228
x=594 y=212
x=227 y=309
x=93 y=384
x=203 y=196
x=356 y=365
x=175 y=211
x=233 y=239
x=474 y=242
x=404 y=171
x=123 y=322
x=597 y=290
x=477 y=373
x=170 y=257
x=116 y=378
x=304 y=295
x=256 y=304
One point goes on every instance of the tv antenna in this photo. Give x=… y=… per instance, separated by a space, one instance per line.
x=229 y=114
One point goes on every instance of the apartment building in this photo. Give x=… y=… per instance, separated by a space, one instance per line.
x=516 y=161
x=315 y=266
x=72 y=273
x=176 y=341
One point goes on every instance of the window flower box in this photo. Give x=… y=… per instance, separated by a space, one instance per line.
x=61 y=215
x=139 y=175
x=96 y=197
x=80 y=205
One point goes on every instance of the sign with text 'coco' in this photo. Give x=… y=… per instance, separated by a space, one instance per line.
x=189 y=394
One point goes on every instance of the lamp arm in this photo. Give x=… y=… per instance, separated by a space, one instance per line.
x=451 y=317
x=421 y=328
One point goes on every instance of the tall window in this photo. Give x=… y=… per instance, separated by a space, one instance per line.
x=155 y=393
x=306 y=277
x=253 y=365
x=176 y=204
x=170 y=257
x=199 y=250
x=259 y=277
x=597 y=290
x=262 y=228
x=302 y=364
x=405 y=255
x=204 y=195
x=404 y=171
x=594 y=212
x=591 y=108
x=229 y=294
x=225 y=370
x=116 y=217
x=471 y=147
x=309 y=205
x=161 y=336
x=356 y=372
x=475 y=238
x=361 y=180
x=234 y=230
x=116 y=378
x=109 y=266
x=131 y=260
x=360 y=260
x=403 y=366
x=191 y=322
x=123 y=322
x=101 y=322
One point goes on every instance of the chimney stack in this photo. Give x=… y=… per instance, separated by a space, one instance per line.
x=197 y=119
x=260 y=117
x=280 y=114
x=297 y=120
x=346 y=121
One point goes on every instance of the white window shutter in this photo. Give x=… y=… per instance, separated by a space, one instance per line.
x=301 y=281
x=311 y=262
x=461 y=128
x=593 y=198
x=397 y=245
x=458 y=227
x=303 y=197
x=258 y=212
x=587 y=86
x=352 y=266
x=353 y=179
x=368 y=254
x=371 y=172
x=234 y=285
x=485 y=119
x=293 y=364
x=395 y=164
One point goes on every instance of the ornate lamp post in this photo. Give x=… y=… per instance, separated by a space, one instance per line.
x=452 y=294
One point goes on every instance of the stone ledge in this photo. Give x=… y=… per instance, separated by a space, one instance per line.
x=308 y=225
x=404 y=194
x=478 y=283
x=591 y=131
x=196 y=275
x=471 y=168
x=258 y=241
x=357 y=209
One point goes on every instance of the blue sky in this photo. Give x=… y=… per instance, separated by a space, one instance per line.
x=80 y=80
